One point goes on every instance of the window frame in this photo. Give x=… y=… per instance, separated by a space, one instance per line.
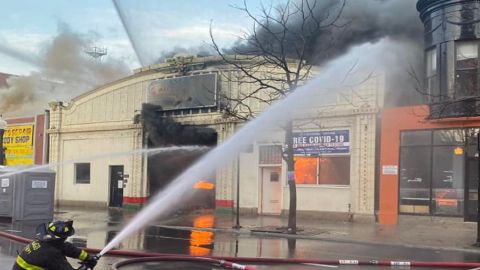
x=457 y=90
x=76 y=175
x=318 y=180
x=431 y=146
x=431 y=80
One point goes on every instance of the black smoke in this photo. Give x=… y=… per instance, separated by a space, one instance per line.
x=355 y=23
x=165 y=131
x=199 y=51
x=345 y=23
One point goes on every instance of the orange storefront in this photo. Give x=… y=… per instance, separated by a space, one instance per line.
x=427 y=167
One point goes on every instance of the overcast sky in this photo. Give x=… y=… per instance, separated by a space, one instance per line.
x=157 y=25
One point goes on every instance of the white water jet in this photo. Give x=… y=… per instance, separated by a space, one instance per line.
x=344 y=73
x=150 y=151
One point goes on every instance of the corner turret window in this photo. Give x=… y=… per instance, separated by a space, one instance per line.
x=431 y=71
x=466 y=73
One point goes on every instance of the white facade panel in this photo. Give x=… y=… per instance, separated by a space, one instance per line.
x=321 y=198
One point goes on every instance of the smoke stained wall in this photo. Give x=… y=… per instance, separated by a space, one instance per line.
x=164 y=131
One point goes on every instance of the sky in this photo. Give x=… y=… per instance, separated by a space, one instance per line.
x=156 y=26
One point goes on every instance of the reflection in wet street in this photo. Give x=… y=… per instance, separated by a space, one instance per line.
x=96 y=228
x=201 y=242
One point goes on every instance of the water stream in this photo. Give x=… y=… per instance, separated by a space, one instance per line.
x=342 y=75
x=10 y=171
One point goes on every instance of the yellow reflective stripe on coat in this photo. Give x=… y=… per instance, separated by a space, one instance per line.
x=83 y=255
x=27 y=266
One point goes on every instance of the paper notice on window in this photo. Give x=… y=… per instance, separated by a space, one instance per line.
x=39 y=184
x=5 y=182
x=390 y=170
x=120 y=184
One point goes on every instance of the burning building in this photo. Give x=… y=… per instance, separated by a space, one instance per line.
x=169 y=104
x=181 y=102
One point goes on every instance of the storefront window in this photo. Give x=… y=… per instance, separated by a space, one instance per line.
x=334 y=170
x=416 y=138
x=447 y=180
x=449 y=137
x=432 y=172
x=415 y=179
x=466 y=75
x=322 y=170
x=306 y=170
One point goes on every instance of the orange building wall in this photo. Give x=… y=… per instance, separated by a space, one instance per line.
x=394 y=120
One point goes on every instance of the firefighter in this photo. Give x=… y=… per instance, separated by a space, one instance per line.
x=49 y=250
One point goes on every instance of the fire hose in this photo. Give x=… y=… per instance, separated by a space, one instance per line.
x=152 y=256
x=182 y=258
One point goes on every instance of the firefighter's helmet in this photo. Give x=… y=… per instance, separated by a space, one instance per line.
x=60 y=229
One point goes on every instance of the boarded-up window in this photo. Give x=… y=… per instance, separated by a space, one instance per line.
x=270 y=154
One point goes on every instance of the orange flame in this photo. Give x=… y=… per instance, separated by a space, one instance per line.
x=202 y=184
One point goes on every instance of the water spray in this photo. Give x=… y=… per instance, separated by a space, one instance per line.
x=149 y=151
x=337 y=76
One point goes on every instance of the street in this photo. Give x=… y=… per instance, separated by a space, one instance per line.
x=96 y=228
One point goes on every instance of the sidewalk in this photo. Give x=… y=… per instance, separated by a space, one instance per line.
x=441 y=233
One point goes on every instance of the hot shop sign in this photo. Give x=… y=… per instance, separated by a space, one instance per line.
x=321 y=142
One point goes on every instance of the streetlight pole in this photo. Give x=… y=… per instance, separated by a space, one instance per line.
x=478 y=191
x=237 y=225
x=3 y=126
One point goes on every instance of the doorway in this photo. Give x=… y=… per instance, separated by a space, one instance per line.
x=271 y=190
x=471 y=190
x=116 y=186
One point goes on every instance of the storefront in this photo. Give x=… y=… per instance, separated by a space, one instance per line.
x=24 y=140
x=334 y=155
x=428 y=167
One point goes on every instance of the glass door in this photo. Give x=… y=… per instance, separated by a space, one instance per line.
x=471 y=169
x=471 y=192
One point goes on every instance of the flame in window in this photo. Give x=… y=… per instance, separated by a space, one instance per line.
x=203 y=184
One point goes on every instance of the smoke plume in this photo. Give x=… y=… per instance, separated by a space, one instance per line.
x=199 y=51
x=355 y=23
x=343 y=26
x=65 y=70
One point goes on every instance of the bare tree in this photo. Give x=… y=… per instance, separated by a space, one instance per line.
x=275 y=57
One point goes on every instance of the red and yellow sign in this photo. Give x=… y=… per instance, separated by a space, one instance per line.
x=18 y=141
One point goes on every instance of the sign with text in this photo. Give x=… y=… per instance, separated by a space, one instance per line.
x=18 y=141
x=321 y=143
x=18 y=136
x=390 y=170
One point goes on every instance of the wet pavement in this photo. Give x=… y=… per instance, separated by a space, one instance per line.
x=205 y=233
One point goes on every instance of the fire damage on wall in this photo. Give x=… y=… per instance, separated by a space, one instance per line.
x=164 y=131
